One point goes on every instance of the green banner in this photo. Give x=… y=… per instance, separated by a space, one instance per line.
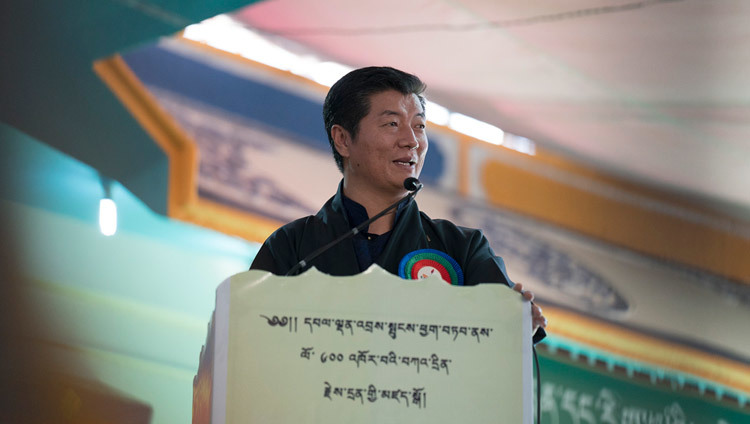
x=576 y=393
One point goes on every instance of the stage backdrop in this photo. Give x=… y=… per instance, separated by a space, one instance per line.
x=261 y=153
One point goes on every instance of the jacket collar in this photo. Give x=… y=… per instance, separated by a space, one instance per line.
x=407 y=235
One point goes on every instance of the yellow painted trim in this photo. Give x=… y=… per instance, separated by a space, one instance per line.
x=232 y=221
x=180 y=150
x=183 y=202
x=647 y=349
x=625 y=224
x=555 y=161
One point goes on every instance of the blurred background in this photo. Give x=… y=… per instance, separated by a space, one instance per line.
x=148 y=147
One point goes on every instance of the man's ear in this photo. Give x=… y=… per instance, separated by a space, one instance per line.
x=341 y=140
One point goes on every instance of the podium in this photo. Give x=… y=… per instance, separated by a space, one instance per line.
x=370 y=348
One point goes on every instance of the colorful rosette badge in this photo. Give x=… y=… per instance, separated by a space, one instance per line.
x=426 y=262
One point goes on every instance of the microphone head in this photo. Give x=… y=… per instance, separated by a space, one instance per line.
x=412 y=184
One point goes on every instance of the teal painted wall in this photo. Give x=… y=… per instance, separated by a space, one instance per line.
x=50 y=91
x=129 y=310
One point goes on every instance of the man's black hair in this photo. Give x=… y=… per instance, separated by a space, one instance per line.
x=348 y=101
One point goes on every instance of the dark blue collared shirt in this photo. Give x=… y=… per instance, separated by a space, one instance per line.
x=367 y=246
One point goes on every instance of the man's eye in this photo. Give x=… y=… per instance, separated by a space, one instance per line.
x=421 y=126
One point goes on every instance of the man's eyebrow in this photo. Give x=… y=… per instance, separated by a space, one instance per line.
x=389 y=112
x=393 y=112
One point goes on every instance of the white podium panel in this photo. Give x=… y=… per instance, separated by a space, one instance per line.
x=372 y=348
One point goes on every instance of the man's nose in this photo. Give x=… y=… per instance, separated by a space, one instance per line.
x=409 y=139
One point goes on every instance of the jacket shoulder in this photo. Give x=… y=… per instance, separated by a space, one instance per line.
x=281 y=249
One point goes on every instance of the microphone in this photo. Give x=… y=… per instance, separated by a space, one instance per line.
x=412 y=184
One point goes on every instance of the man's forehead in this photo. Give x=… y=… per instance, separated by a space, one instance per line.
x=392 y=102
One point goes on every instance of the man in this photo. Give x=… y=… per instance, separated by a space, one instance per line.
x=375 y=121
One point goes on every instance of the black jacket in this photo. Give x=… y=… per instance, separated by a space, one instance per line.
x=414 y=230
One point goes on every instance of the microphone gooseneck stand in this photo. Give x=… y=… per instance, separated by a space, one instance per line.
x=412 y=184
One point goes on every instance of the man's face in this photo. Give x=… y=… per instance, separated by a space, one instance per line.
x=390 y=146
